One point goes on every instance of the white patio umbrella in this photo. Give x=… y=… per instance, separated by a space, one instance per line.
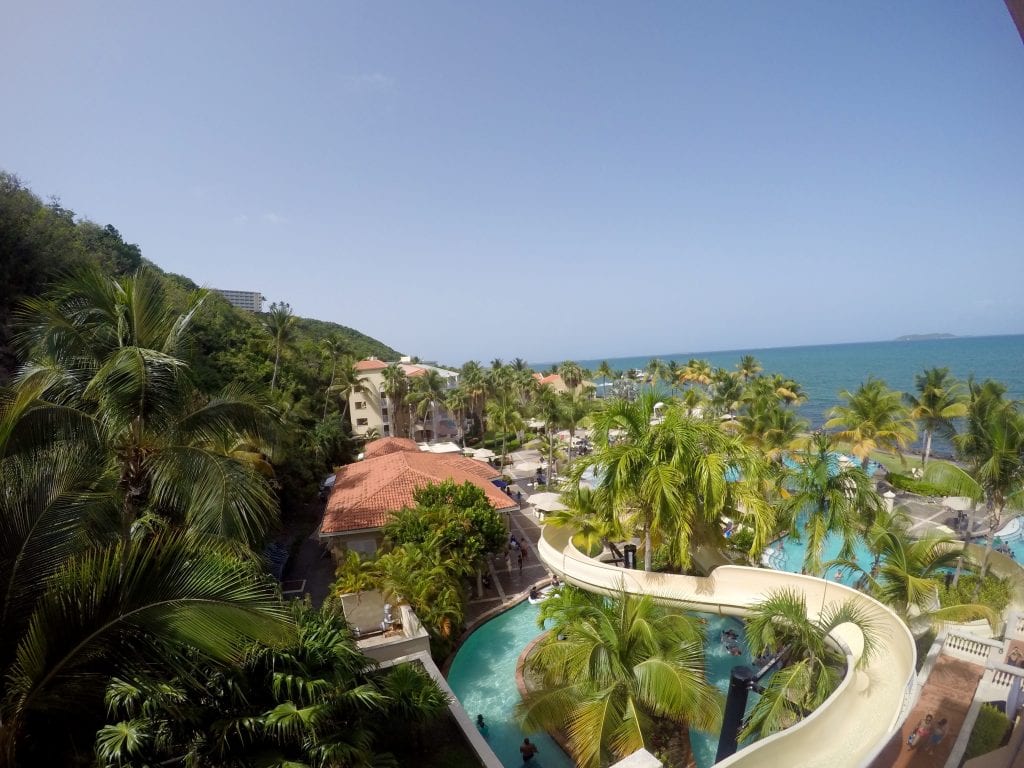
x=483 y=454
x=546 y=501
x=526 y=466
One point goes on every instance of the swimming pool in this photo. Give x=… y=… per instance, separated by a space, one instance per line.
x=483 y=677
x=787 y=554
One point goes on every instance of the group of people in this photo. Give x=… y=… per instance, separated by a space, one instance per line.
x=518 y=551
x=731 y=640
x=928 y=733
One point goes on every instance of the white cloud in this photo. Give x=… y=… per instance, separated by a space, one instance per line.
x=240 y=219
x=272 y=218
x=369 y=82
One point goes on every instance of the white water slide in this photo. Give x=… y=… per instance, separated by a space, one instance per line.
x=856 y=721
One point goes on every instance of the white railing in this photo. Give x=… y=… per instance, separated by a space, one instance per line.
x=967 y=647
x=857 y=720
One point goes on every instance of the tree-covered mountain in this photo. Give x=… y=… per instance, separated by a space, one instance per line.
x=42 y=242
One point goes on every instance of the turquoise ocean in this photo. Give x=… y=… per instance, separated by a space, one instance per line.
x=826 y=370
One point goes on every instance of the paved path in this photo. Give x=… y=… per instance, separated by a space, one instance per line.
x=509 y=582
x=946 y=694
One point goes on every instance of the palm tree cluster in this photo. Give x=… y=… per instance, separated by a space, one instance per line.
x=314 y=701
x=670 y=478
x=130 y=508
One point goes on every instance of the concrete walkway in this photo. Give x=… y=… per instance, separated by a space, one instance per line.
x=510 y=582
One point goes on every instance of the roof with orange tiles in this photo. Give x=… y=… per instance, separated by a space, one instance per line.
x=386 y=445
x=413 y=370
x=371 y=365
x=367 y=493
x=551 y=378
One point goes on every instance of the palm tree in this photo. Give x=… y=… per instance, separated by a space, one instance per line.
x=456 y=401
x=698 y=372
x=280 y=322
x=654 y=369
x=504 y=415
x=605 y=372
x=823 y=497
x=332 y=348
x=992 y=446
x=574 y=407
x=624 y=664
x=908 y=574
x=571 y=373
x=726 y=391
x=395 y=387
x=428 y=390
x=103 y=364
x=668 y=477
x=813 y=664
x=347 y=382
x=748 y=367
x=941 y=400
x=473 y=379
x=589 y=515
x=873 y=417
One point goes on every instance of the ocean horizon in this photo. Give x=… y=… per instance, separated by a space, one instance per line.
x=825 y=370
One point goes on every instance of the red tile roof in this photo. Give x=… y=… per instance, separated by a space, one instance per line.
x=366 y=493
x=386 y=445
x=371 y=365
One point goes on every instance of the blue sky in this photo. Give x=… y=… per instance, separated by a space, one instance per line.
x=546 y=180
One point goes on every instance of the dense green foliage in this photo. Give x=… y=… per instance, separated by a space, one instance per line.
x=989 y=731
x=995 y=592
x=430 y=552
x=315 y=701
x=40 y=244
x=913 y=485
x=611 y=669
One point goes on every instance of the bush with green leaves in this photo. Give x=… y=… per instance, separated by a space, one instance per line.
x=912 y=485
x=995 y=592
x=989 y=730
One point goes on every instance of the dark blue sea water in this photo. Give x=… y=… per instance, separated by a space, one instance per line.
x=826 y=370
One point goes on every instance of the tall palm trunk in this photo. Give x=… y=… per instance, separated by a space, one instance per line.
x=327 y=394
x=277 y=359
x=648 y=553
x=995 y=518
x=927 y=447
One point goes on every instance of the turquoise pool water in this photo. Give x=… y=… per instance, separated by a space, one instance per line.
x=787 y=554
x=483 y=677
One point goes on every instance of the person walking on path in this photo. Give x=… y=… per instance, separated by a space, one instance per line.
x=520 y=562
x=938 y=734
x=921 y=731
x=525 y=550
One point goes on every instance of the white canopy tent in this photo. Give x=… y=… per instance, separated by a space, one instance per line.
x=546 y=501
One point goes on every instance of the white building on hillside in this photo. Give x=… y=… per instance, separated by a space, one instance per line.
x=371 y=409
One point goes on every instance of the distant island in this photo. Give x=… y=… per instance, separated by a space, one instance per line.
x=926 y=336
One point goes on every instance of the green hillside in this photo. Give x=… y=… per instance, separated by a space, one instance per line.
x=41 y=241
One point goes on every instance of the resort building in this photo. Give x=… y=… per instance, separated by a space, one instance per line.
x=373 y=410
x=248 y=300
x=367 y=493
x=552 y=380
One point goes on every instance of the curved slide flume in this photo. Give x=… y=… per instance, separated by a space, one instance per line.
x=856 y=721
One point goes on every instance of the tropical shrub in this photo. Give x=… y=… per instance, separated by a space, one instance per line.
x=989 y=731
x=913 y=485
x=995 y=593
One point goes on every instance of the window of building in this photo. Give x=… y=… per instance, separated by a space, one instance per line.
x=360 y=405
x=362 y=422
